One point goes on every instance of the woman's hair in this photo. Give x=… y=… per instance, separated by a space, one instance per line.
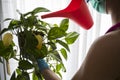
x=112 y=5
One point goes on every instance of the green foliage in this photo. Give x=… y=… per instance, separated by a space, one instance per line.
x=71 y=37
x=64 y=53
x=34 y=76
x=55 y=33
x=55 y=44
x=6 y=52
x=25 y=65
x=64 y=24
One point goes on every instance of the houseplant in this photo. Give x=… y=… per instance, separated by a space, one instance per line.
x=37 y=39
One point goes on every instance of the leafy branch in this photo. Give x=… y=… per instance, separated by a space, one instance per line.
x=37 y=39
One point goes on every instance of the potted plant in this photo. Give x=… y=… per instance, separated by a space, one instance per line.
x=37 y=39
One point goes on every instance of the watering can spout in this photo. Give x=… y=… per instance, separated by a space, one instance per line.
x=77 y=11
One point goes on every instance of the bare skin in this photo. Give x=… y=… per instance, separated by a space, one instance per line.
x=49 y=75
x=103 y=58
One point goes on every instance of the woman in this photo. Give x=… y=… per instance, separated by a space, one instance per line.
x=103 y=58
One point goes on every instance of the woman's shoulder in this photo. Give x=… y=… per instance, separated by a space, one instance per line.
x=107 y=45
x=109 y=40
x=103 y=58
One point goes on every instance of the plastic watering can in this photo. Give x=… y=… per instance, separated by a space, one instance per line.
x=77 y=11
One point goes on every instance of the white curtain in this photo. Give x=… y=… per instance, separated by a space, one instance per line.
x=80 y=47
x=8 y=10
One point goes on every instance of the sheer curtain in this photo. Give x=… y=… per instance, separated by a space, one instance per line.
x=7 y=10
x=79 y=48
x=2 y=69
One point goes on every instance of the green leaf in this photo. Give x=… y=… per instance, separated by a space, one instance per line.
x=59 y=74
x=20 y=77
x=55 y=33
x=55 y=25
x=58 y=67
x=71 y=37
x=63 y=67
x=24 y=64
x=53 y=45
x=13 y=77
x=39 y=54
x=31 y=20
x=23 y=76
x=7 y=19
x=56 y=56
x=6 y=52
x=34 y=76
x=26 y=76
x=13 y=24
x=65 y=45
x=64 y=24
x=64 y=53
x=29 y=38
x=19 y=72
x=4 y=30
x=43 y=51
x=40 y=9
x=42 y=23
x=27 y=14
x=39 y=75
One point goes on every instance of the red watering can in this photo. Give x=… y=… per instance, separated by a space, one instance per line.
x=77 y=11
